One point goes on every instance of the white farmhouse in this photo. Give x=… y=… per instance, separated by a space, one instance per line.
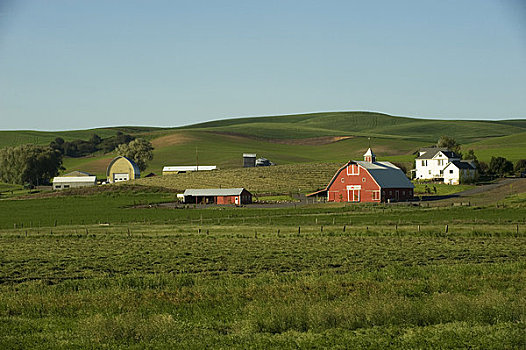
x=431 y=162
x=459 y=171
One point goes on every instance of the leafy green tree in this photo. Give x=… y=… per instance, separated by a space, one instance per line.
x=95 y=139
x=29 y=164
x=483 y=168
x=138 y=150
x=470 y=155
x=449 y=143
x=500 y=166
x=111 y=143
x=520 y=166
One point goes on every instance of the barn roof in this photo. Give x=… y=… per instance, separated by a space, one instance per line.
x=211 y=192
x=133 y=164
x=189 y=168
x=76 y=173
x=71 y=179
x=369 y=152
x=386 y=174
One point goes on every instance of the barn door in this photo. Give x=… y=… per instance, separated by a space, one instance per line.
x=353 y=193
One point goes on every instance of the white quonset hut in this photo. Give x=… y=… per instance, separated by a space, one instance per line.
x=74 y=180
x=168 y=170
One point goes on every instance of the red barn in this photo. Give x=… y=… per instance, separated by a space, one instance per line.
x=235 y=196
x=368 y=181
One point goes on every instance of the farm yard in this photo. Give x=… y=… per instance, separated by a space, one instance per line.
x=96 y=271
x=128 y=266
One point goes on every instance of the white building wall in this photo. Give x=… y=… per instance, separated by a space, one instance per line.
x=428 y=169
x=452 y=175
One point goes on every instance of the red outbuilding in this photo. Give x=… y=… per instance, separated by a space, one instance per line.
x=235 y=196
x=367 y=181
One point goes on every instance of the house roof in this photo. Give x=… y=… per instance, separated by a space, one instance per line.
x=461 y=164
x=430 y=153
x=211 y=192
x=71 y=179
x=189 y=168
x=386 y=175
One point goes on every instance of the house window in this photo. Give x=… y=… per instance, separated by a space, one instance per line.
x=353 y=169
x=66 y=186
x=429 y=172
x=424 y=163
x=376 y=195
x=403 y=193
x=451 y=171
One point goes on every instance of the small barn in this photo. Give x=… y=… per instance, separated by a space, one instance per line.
x=249 y=160
x=74 y=179
x=367 y=181
x=170 y=170
x=237 y=196
x=122 y=169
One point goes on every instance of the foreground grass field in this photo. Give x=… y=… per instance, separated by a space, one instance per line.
x=93 y=272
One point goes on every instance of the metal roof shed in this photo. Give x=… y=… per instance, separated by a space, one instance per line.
x=235 y=196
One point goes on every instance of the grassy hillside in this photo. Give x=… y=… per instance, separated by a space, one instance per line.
x=18 y=137
x=316 y=137
x=304 y=177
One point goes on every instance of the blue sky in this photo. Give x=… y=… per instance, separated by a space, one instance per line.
x=71 y=64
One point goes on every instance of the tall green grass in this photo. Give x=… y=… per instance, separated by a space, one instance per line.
x=159 y=289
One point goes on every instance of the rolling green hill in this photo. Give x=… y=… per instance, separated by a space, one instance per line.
x=316 y=137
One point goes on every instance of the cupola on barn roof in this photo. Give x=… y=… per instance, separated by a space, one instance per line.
x=369 y=156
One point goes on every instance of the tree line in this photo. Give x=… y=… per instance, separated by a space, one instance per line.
x=81 y=148
x=498 y=166
x=35 y=165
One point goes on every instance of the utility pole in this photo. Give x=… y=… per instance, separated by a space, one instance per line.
x=196 y=160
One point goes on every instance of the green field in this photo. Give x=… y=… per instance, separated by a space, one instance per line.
x=91 y=271
x=117 y=266
x=317 y=137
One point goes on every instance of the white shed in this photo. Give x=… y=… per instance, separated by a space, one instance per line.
x=74 y=180
x=459 y=171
